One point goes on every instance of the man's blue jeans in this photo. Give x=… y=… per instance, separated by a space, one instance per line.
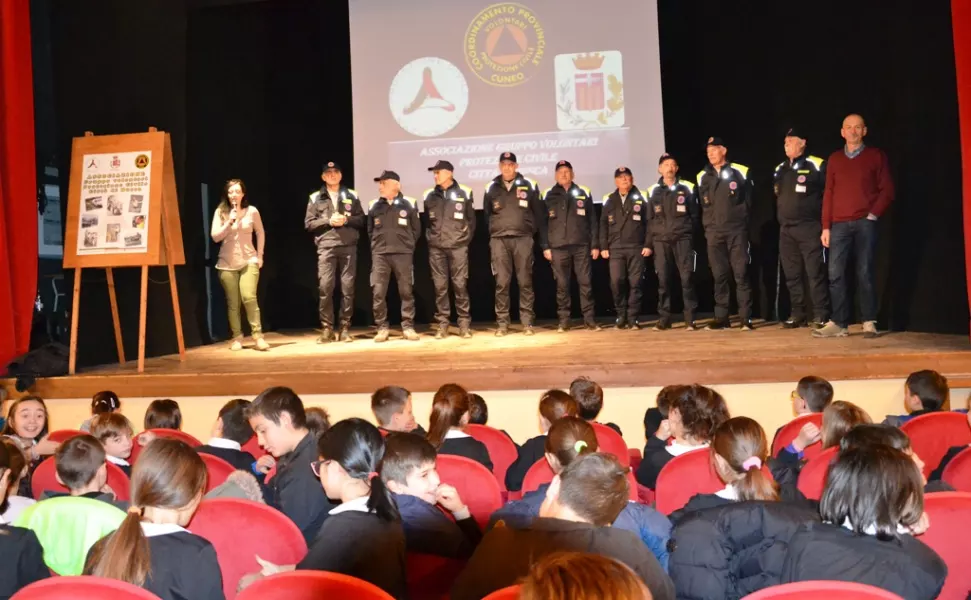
x=845 y=238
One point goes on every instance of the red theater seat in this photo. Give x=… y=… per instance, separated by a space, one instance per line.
x=173 y=434
x=312 y=585
x=509 y=593
x=475 y=484
x=958 y=471
x=948 y=535
x=62 y=435
x=253 y=447
x=609 y=441
x=791 y=429
x=502 y=450
x=218 y=470
x=83 y=588
x=45 y=479
x=931 y=436
x=830 y=590
x=812 y=478
x=430 y=576
x=683 y=477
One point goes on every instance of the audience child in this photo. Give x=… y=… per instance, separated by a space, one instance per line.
x=569 y=438
x=114 y=431
x=152 y=549
x=812 y=395
x=478 y=410
x=163 y=414
x=581 y=503
x=450 y=415
x=278 y=418
x=871 y=507
x=863 y=436
x=590 y=400
x=27 y=425
x=21 y=555
x=19 y=467
x=363 y=537
x=102 y=402
x=938 y=473
x=230 y=431
x=838 y=419
x=694 y=414
x=656 y=414
x=318 y=421
x=392 y=409
x=80 y=466
x=924 y=392
x=553 y=406
x=408 y=470
x=575 y=575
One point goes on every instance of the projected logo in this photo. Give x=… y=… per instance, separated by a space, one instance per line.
x=428 y=96
x=589 y=90
x=505 y=44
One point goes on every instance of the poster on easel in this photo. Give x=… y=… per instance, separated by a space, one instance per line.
x=115 y=196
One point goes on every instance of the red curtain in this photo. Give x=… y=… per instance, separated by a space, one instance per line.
x=961 y=19
x=18 y=181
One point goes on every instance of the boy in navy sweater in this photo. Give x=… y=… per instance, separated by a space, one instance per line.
x=229 y=433
x=924 y=392
x=392 y=409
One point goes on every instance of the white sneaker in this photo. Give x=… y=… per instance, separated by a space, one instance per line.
x=870 y=330
x=237 y=345
x=831 y=330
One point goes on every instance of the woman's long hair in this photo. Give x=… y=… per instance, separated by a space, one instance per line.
x=224 y=205
x=738 y=441
x=570 y=437
x=358 y=447
x=168 y=474
x=838 y=419
x=451 y=402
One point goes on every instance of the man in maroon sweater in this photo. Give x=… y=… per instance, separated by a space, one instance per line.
x=858 y=191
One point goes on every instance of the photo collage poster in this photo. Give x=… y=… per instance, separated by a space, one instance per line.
x=114 y=203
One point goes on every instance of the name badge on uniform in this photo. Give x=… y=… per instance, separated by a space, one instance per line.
x=582 y=212
x=800 y=189
x=377 y=221
x=403 y=218
x=524 y=203
x=637 y=217
x=496 y=205
x=610 y=219
x=657 y=209
x=431 y=214
x=460 y=215
x=682 y=208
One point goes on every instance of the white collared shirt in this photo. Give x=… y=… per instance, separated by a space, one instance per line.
x=357 y=504
x=872 y=529
x=157 y=529
x=454 y=434
x=729 y=493
x=223 y=443
x=676 y=449
x=117 y=461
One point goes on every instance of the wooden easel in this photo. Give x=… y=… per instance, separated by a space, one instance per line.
x=163 y=235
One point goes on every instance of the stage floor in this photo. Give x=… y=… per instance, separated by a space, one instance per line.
x=611 y=357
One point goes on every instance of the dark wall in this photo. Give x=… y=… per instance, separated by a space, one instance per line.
x=261 y=90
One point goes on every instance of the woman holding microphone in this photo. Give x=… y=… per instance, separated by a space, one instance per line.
x=239 y=261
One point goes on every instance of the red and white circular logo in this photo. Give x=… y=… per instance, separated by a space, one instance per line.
x=428 y=96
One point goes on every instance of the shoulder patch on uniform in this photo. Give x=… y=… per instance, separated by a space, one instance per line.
x=427 y=192
x=533 y=183
x=546 y=191
x=816 y=161
x=606 y=197
x=650 y=190
x=465 y=189
x=372 y=203
x=314 y=196
x=701 y=174
x=410 y=201
x=782 y=164
x=489 y=185
x=687 y=184
x=353 y=193
x=585 y=189
x=741 y=169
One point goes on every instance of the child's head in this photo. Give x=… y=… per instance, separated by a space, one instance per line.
x=581 y=575
x=318 y=421
x=13 y=468
x=450 y=409
x=409 y=468
x=80 y=464
x=478 y=410
x=926 y=390
x=27 y=418
x=838 y=418
x=880 y=434
x=105 y=401
x=392 y=409
x=738 y=450
x=873 y=490
x=114 y=431
x=589 y=397
x=163 y=414
x=278 y=418
x=568 y=438
x=350 y=458
x=812 y=395
x=695 y=412
x=592 y=489
x=232 y=424
x=554 y=405
x=167 y=485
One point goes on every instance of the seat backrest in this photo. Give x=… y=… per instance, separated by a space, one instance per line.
x=44 y=479
x=173 y=434
x=791 y=429
x=502 y=450
x=253 y=447
x=507 y=593
x=684 y=476
x=85 y=588
x=541 y=473
x=812 y=477
x=218 y=470
x=62 y=435
x=948 y=535
x=958 y=472
x=831 y=590
x=312 y=585
x=475 y=484
x=610 y=442
x=431 y=576
x=933 y=434
x=241 y=529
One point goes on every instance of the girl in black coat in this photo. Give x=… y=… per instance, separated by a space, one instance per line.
x=446 y=431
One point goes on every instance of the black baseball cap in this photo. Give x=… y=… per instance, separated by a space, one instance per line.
x=715 y=141
x=387 y=175
x=795 y=132
x=563 y=163
x=442 y=165
x=622 y=171
x=665 y=157
x=510 y=156
x=331 y=166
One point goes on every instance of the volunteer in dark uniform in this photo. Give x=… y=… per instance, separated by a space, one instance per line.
x=451 y=225
x=725 y=195
x=336 y=218
x=514 y=212
x=572 y=240
x=799 y=183
x=623 y=242
x=394 y=227
x=671 y=223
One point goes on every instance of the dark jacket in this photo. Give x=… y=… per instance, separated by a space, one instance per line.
x=673 y=213
x=725 y=197
x=530 y=452
x=652 y=527
x=656 y=455
x=730 y=551
x=296 y=491
x=798 y=187
x=21 y=560
x=652 y=421
x=571 y=217
x=468 y=447
x=898 y=420
x=102 y=496
x=240 y=459
x=451 y=216
x=319 y=211
x=904 y=565
x=623 y=227
x=184 y=565
x=394 y=227
x=428 y=530
x=938 y=473
x=515 y=212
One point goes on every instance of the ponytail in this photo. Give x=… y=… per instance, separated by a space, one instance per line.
x=123 y=554
x=358 y=447
x=451 y=402
x=756 y=485
x=741 y=443
x=381 y=502
x=569 y=438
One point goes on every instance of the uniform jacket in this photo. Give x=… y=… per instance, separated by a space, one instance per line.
x=394 y=226
x=571 y=217
x=515 y=212
x=321 y=208
x=798 y=188
x=451 y=216
x=725 y=197
x=620 y=228
x=673 y=212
